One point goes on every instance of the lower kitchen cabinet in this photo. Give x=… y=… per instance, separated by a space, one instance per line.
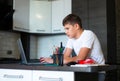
x=35 y=75
x=15 y=75
x=52 y=76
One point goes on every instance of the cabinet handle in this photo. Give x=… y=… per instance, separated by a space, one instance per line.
x=40 y=30
x=50 y=79
x=13 y=76
x=57 y=30
x=21 y=28
x=44 y=0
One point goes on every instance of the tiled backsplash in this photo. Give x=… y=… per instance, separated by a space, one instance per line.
x=8 y=45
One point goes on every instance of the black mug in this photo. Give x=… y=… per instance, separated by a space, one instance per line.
x=58 y=59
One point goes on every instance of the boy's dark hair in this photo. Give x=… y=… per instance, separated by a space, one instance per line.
x=72 y=19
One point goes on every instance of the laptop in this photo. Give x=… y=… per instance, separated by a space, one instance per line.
x=23 y=57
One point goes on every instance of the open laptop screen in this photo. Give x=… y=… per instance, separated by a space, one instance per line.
x=23 y=57
x=21 y=50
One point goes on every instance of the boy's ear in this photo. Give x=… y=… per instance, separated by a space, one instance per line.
x=76 y=26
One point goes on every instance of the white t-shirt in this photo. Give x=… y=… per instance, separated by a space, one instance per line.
x=88 y=39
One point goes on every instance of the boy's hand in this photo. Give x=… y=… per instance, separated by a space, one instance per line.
x=47 y=59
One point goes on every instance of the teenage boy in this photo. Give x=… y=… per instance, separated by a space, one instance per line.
x=84 y=42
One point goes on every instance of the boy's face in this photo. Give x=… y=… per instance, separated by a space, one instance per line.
x=70 y=30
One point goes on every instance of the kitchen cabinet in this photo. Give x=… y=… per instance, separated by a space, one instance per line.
x=60 y=8
x=21 y=15
x=15 y=75
x=40 y=16
x=52 y=75
x=35 y=75
x=32 y=16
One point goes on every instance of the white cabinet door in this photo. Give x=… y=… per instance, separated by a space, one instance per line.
x=40 y=16
x=67 y=7
x=32 y=16
x=21 y=15
x=60 y=8
x=15 y=75
x=52 y=76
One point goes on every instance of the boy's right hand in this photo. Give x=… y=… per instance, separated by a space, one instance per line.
x=46 y=59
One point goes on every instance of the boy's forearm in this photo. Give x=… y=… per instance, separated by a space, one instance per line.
x=70 y=59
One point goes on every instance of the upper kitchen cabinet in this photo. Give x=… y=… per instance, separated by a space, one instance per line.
x=32 y=16
x=21 y=15
x=60 y=8
x=40 y=16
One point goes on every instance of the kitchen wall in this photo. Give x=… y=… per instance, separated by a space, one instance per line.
x=118 y=34
x=118 y=28
x=43 y=45
x=8 y=45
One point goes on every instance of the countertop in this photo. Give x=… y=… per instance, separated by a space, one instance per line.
x=60 y=68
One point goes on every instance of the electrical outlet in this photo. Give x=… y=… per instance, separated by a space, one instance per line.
x=9 y=52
